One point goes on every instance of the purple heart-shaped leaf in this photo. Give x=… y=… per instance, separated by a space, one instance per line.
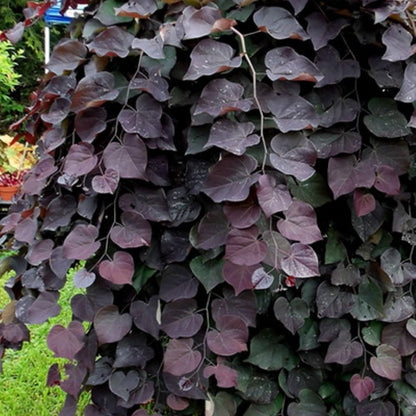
x=361 y=388
x=83 y=278
x=80 y=242
x=387 y=363
x=107 y=183
x=122 y=384
x=66 y=342
x=180 y=357
x=111 y=326
x=118 y=271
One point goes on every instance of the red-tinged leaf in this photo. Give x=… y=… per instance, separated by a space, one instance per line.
x=300 y=261
x=14 y=34
x=232 y=136
x=231 y=178
x=230 y=337
x=387 y=180
x=66 y=56
x=111 y=326
x=137 y=9
x=226 y=376
x=322 y=30
x=66 y=342
x=300 y=223
x=239 y=277
x=80 y=160
x=272 y=197
x=279 y=23
x=212 y=230
x=345 y=174
x=151 y=47
x=180 y=358
x=83 y=279
x=364 y=202
x=242 y=214
x=118 y=271
x=58 y=111
x=180 y=320
x=199 y=22
x=387 y=363
x=112 y=41
x=128 y=158
x=220 y=97
x=94 y=90
x=243 y=247
x=135 y=231
x=361 y=388
x=80 y=242
x=90 y=123
x=398 y=43
x=210 y=57
x=145 y=120
x=285 y=63
x=293 y=155
x=342 y=350
x=176 y=403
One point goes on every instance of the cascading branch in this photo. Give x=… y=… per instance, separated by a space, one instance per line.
x=239 y=178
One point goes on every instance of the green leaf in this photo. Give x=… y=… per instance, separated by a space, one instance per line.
x=106 y=14
x=197 y=138
x=209 y=273
x=334 y=249
x=271 y=409
x=224 y=404
x=241 y=14
x=313 y=191
x=268 y=353
x=308 y=335
x=310 y=405
x=165 y=64
x=372 y=333
x=141 y=275
x=386 y=120
x=383 y=245
x=405 y=392
x=369 y=302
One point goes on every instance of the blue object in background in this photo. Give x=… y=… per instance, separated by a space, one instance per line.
x=54 y=16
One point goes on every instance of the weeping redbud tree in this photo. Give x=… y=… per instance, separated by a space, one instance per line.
x=234 y=182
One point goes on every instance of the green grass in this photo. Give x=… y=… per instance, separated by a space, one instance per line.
x=23 y=389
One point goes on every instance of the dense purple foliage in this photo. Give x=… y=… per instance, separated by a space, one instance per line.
x=239 y=177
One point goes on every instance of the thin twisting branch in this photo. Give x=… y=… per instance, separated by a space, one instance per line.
x=256 y=99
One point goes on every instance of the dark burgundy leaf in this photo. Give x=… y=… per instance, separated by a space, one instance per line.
x=360 y=387
x=182 y=206
x=132 y=351
x=122 y=384
x=345 y=174
x=66 y=342
x=398 y=337
x=407 y=93
x=398 y=43
x=322 y=30
x=135 y=231
x=226 y=376
x=376 y=407
x=175 y=245
x=212 y=230
x=151 y=47
x=332 y=301
x=292 y=315
x=239 y=177
x=176 y=403
x=180 y=358
x=15 y=333
x=90 y=123
x=137 y=9
x=25 y=230
x=128 y=159
x=80 y=160
x=279 y=23
x=342 y=350
x=58 y=263
x=87 y=204
x=72 y=383
x=300 y=223
x=221 y=96
x=334 y=68
x=39 y=252
x=364 y=202
x=94 y=90
x=107 y=183
x=179 y=319
x=177 y=283
x=145 y=120
x=120 y=270
x=150 y=203
x=191 y=387
x=145 y=316
x=110 y=325
x=242 y=305
x=298 y=5
x=53 y=138
x=285 y=63
x=155 y=85
x=112 y=41
x=57 y=111
x=243 y=247
x=209 y=57
x=83 y=279
x=66 y=56
x=59 y=212
x=386 y=74
x=331 y=143
x=272 y=197
x=239 y=276
x=54 y=376
x=80 y=242
x=44 y=307
x=230 y=337
x=387 y=363
x=140 y=395
x=242 y=214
